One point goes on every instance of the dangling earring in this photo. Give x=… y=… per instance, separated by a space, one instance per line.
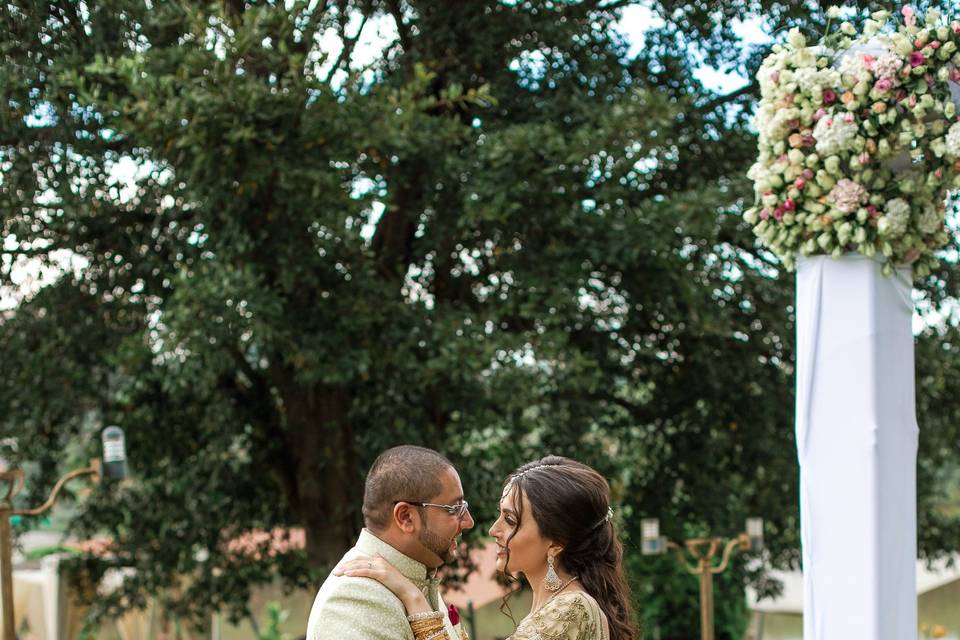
x=551 y=581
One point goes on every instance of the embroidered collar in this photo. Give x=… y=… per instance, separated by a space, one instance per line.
x=416 y=571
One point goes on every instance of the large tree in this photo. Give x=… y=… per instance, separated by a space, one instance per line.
x=305 y=231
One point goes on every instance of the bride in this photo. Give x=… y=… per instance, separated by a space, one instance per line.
x=555 y=528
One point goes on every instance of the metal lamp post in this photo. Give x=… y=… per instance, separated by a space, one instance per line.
x=114 y=465
x=702 y=551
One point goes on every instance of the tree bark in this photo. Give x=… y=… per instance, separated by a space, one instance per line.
x=325 y=459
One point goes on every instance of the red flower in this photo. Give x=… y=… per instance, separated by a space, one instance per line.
x=454 y=615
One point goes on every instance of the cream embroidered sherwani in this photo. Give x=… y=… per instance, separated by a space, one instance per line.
x=350 y=608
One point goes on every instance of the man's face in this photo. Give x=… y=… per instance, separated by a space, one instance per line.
x=440 y=530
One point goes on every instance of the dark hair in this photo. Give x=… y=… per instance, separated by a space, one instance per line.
x=570 y=502
x=406 y=472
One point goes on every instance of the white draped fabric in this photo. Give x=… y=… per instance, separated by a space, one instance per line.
x=857 y=443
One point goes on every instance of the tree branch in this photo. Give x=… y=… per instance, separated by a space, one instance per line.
x=402 y=27
x=730 y=97
x=348 y=43
x=310 y=29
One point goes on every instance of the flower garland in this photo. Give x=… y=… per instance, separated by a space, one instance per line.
x=858 y=148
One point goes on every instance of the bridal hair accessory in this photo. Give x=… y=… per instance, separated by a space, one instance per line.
x=526 y=471
x=604 y=520
x=551 y=581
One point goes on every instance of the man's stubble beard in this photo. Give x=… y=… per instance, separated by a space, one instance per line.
x=436 y=544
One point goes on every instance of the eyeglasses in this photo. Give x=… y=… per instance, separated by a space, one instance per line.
x=459 y=509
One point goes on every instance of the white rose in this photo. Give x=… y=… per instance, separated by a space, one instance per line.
x=834 y=134
x=952 y=141
x=930 y=220
x=893 y=223
x=796 y=39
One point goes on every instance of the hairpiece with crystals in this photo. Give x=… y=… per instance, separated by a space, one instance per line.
x=526 y=471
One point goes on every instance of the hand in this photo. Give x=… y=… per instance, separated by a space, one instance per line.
x=377 y=568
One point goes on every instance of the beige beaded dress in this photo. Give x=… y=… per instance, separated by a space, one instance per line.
x=574 y=615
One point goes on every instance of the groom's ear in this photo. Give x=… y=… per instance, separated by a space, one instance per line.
x=403 y=516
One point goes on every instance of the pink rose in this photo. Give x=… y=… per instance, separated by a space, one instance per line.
x=909 y=17
x=800 y=183
x=873 y=211
x=829 y=97
x=917 y=58
x=765 y=214
x=883 y=85
x=789 y=205
x=935 y=45
x=955 y=75
x=808 y=174
x=778 y=213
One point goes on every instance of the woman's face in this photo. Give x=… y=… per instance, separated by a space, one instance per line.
x=528 y=549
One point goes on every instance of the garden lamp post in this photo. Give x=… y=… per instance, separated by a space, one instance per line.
x=113 y=465
x=702 y=551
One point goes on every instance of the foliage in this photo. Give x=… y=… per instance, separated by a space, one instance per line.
x=504 y=234
x=276 y=616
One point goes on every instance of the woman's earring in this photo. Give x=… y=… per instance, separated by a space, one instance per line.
x=551 y=581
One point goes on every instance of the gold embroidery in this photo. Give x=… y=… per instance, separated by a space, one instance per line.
x=566 y=617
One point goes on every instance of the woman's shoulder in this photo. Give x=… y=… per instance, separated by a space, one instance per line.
x=572 y=615
x=578 y=600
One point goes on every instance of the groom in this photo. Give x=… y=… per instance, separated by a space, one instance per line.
x=413 y=512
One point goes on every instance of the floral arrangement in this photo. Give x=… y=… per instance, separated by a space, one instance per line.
x=859 y=140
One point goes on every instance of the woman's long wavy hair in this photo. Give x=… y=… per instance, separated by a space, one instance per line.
x=570 y=502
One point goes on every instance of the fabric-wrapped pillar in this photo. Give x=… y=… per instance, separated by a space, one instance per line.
x=857 y=438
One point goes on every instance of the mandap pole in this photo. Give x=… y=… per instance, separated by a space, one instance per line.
x=857 y=439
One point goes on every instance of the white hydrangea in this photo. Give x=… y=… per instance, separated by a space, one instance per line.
x=953 y=141
x=773 y=123
x=855 y=66
x=888 y=65
x=930 y=220
x=893 y=223
x=834 y=134
x=809 y=78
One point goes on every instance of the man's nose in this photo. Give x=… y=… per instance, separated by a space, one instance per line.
x=467 y=521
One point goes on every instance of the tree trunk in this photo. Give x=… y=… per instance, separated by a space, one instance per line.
x=326 y=476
